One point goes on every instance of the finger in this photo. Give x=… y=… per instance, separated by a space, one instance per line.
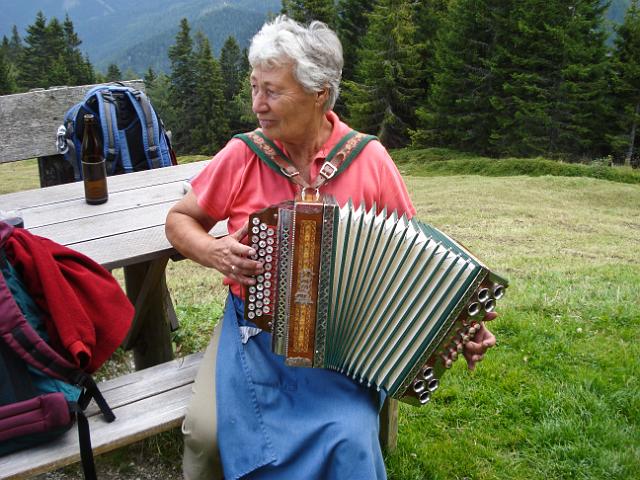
x=247 y=267
x=474 y=348
x=242 y=279
x=490 y=316
x=472 y=360
x=485 y=337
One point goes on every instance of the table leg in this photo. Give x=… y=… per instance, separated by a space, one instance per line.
x=150 y=332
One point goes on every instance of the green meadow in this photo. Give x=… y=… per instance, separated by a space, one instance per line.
x=559 y=395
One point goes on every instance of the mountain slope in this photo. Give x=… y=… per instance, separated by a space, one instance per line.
x=216 y=25
x=110 y=29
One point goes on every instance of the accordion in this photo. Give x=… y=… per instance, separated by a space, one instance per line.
x=385 y=300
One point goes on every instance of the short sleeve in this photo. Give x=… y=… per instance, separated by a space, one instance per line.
x=218 y=184
x=393 y=192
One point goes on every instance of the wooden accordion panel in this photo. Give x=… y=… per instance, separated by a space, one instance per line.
x=385 y=300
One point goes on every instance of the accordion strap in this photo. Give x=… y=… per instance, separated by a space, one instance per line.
x=338 y=159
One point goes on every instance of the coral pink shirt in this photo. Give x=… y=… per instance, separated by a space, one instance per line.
x=237 y=182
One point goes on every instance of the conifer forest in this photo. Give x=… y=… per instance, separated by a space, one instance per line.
x=499 y=78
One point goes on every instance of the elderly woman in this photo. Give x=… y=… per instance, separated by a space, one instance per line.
x=268 y=420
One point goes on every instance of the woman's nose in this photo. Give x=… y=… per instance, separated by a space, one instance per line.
x=258 y=103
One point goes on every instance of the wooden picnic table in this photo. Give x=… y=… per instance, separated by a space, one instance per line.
x=128 y=232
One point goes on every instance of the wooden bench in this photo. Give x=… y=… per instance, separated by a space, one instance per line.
x=152 y=399
x=28 y=125
x=145 y=403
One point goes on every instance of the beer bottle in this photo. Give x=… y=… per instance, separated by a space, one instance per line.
x=94 y=170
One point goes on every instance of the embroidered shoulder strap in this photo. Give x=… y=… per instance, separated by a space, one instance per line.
x=338 y=159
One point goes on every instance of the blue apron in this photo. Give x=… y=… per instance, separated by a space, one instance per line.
x=280 y=422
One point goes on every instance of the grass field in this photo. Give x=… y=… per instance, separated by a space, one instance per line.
x=559 y=396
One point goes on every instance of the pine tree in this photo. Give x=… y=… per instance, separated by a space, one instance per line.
x=304 y=11
x=8 y=69
x=159 y=92
x=114 y=74
x=428 y=19
x=580 y=131
x=242 y=109
x=80 y=69
x=459 y=112
x=149 y=78
x=51 y=55
x=231 y=65
x=351 y=26
x=234 y=70
x=383 y=98
x=553 y=70
x=211 y=128
x=15 y=46
x=626 y=87
x=183 y=84
x=7 y=83
x=34 y=63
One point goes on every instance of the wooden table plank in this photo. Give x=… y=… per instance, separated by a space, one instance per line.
x=109 y=224
x=75 y=191
x=118 y=202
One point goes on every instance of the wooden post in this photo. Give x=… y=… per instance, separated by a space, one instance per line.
x=389 y=425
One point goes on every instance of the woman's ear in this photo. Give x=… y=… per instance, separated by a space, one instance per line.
x=321 y=96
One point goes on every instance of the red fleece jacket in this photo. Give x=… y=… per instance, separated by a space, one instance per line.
x=89 y=314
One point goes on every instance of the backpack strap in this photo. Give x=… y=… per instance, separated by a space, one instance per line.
x=66 y=143
x=109 y=124
x=151 y=140
x=338 y=159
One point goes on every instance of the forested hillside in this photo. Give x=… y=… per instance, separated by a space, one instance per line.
x=493 y=77
x=112 y=30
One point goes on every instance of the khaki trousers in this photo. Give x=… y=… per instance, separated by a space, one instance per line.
x=201 y=459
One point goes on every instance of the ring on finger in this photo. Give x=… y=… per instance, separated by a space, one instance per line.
x=233 y=268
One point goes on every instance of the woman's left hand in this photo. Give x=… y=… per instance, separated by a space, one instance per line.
x=483 y=340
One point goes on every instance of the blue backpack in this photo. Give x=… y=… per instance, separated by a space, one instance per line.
x=132 y=134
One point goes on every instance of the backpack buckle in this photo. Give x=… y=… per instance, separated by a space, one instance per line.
x=153 y=151
x=61 y=141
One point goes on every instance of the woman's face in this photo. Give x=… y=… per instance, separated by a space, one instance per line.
x=285 y=111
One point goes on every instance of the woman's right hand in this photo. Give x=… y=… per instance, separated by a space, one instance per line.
x=231 y=257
